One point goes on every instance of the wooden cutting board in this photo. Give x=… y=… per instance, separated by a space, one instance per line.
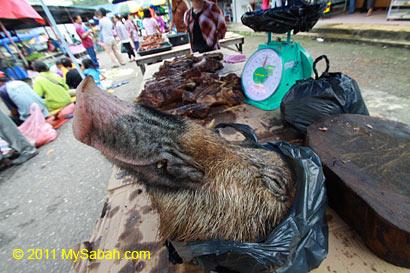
x=367 y=167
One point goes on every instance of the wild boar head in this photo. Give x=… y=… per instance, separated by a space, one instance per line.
x=202 y=186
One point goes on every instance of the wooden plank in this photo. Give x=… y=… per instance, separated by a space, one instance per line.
x=348 y=253
x=366 y=163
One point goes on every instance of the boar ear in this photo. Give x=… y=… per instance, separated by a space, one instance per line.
x=182 y=166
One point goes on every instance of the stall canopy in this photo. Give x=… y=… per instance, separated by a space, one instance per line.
x=127 y=7
x=62 y=15
x=17 y=13
x=148 y=3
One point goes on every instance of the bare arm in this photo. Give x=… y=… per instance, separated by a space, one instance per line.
x=85 y=34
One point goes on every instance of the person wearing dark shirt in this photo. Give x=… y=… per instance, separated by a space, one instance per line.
x=73 y=77
x=206 y=25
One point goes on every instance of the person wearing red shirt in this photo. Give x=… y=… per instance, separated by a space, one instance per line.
x=85 y=39
x=265 y=4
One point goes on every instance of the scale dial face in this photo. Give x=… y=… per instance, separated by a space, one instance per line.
x=262 y=74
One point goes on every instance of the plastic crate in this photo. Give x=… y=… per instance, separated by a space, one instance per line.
x=178 y=39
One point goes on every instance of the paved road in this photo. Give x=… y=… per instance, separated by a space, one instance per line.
x=53 y=200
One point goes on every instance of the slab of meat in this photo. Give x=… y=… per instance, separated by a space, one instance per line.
x=160 y=93
x=221 y=95
x=210 y=65
x=192 y=80
x=232 y=80
x=192 y=96
x=215 y=56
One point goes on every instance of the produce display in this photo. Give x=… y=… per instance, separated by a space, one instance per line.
x=151 y=42
x=190 y=86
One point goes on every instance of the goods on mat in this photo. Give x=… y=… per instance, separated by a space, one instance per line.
x=190 y=85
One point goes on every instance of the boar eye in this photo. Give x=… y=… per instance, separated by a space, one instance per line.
x=162 y=163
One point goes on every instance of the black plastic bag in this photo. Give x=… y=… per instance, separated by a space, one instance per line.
x=312 y=99
x=298 y=244
x=299 y=16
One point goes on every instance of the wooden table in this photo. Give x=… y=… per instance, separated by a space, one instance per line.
x=230 y=39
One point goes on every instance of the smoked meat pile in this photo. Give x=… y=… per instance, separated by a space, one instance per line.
x=151 y=42
x=190 y=86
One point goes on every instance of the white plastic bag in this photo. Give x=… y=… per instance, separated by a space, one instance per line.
x=37 y=131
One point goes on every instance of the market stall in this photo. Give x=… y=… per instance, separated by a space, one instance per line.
x=17 y=15
x=129 y=222
x=14 y=14
x=230 y=39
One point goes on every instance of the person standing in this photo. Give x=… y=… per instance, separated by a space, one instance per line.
x=124 y=37
x=150 y=24
x=370 y=7
x=179 y=7
x=206 y=25
x=132 y=30
x=85 y=39
x=110 y=45
x=160 y=23
x=18 y=96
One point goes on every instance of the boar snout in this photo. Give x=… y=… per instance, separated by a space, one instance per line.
x=135 y=137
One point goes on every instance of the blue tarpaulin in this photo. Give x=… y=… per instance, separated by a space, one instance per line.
x=23 y=37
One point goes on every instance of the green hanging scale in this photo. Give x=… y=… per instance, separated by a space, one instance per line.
x=272 y=70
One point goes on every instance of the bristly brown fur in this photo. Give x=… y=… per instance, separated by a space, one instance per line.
x=202 y=186
x=236 y=200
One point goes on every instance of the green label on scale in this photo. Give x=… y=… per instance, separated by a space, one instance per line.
x=270 y=69
x=259 y=75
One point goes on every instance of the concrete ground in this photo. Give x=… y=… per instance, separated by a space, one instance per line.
x=53 y=200
x=355 y=28
x=377 y=18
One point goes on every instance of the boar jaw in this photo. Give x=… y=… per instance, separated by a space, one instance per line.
x=137 y=138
